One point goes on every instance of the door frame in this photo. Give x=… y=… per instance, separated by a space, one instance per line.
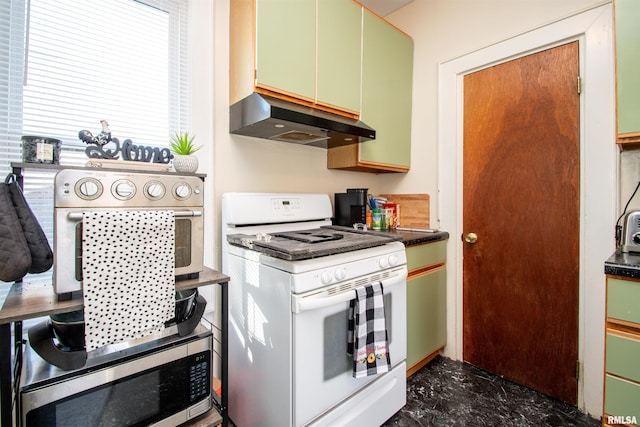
x=599 y=161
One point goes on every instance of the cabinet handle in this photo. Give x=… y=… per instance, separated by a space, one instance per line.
x=77 y=216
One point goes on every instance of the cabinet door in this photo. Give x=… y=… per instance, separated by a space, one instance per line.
x=622 y=355
x=339 y=59
x=387 y=78
x=622 y=301
x=426 y=315
x=622 y=398
x=285 y=46
x=627 y=64
x=421 y=256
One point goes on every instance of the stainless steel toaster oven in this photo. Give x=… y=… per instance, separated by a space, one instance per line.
x=104 y=191
x=630 y=241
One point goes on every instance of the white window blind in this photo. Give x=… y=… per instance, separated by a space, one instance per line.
x=67 y=64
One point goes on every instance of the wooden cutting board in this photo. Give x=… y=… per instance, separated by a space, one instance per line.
x=414 y=209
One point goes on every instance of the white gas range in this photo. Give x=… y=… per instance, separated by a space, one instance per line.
x=293 y=276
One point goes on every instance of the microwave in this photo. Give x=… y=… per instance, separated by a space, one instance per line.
x=163 y=382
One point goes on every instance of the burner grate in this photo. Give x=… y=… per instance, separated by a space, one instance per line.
x=310 y=236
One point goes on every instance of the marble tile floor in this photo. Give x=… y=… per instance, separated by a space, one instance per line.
x=453 y=393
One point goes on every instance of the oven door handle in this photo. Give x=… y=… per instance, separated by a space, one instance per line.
x=77 y=216
x=313 y=302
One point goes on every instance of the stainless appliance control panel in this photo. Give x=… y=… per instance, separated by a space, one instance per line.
x=103 y=188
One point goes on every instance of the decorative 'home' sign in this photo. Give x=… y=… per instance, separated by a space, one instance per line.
x=129 y=151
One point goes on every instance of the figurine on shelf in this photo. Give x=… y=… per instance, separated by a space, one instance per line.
x=103 y=138
x=139 y=153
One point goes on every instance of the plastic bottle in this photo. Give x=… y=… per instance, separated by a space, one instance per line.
x=376 y=218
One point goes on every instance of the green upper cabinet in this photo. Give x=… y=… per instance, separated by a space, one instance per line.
x=339 y=65
x=333 y=55
x=387 y=80
x=627 y=15
x=286 y=46
x=304 y=51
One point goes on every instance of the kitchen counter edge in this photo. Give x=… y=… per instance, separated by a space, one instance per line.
x=623 y=264
x=412 y=238
x=409 y=237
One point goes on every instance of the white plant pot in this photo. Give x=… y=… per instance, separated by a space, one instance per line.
x=182 y=163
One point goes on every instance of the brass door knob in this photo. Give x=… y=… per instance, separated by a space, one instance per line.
x=471 y=238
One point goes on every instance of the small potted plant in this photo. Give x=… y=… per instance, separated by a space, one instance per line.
x=183 y=149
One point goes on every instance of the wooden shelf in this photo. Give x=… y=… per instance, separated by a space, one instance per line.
x=47 y=166
x=34 y=296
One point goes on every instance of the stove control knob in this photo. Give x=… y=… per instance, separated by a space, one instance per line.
x=88 y=188
x=326 y=277
x=393 y=260
x=154 y=190
x=340 y=274
x=182 y=191
x=384 y=262
x=123 y=189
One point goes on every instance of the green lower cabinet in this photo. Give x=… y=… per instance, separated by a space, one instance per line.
x=623 y=300
x=623 y=355
x=427 y=254
x=426 y=315
x=622 y=400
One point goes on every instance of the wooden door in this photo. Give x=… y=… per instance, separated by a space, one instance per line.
x=522 y=200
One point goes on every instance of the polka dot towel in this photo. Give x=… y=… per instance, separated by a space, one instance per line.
x=128 y=274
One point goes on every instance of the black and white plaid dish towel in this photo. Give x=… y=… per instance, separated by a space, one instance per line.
x=367 y=332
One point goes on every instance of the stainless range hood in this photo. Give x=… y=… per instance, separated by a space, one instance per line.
x=270 y=118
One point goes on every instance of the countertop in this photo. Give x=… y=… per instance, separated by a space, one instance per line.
x=623 y=264
x=289 y=249
x=411 y=238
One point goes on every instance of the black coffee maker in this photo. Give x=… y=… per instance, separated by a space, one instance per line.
x=351 y=207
